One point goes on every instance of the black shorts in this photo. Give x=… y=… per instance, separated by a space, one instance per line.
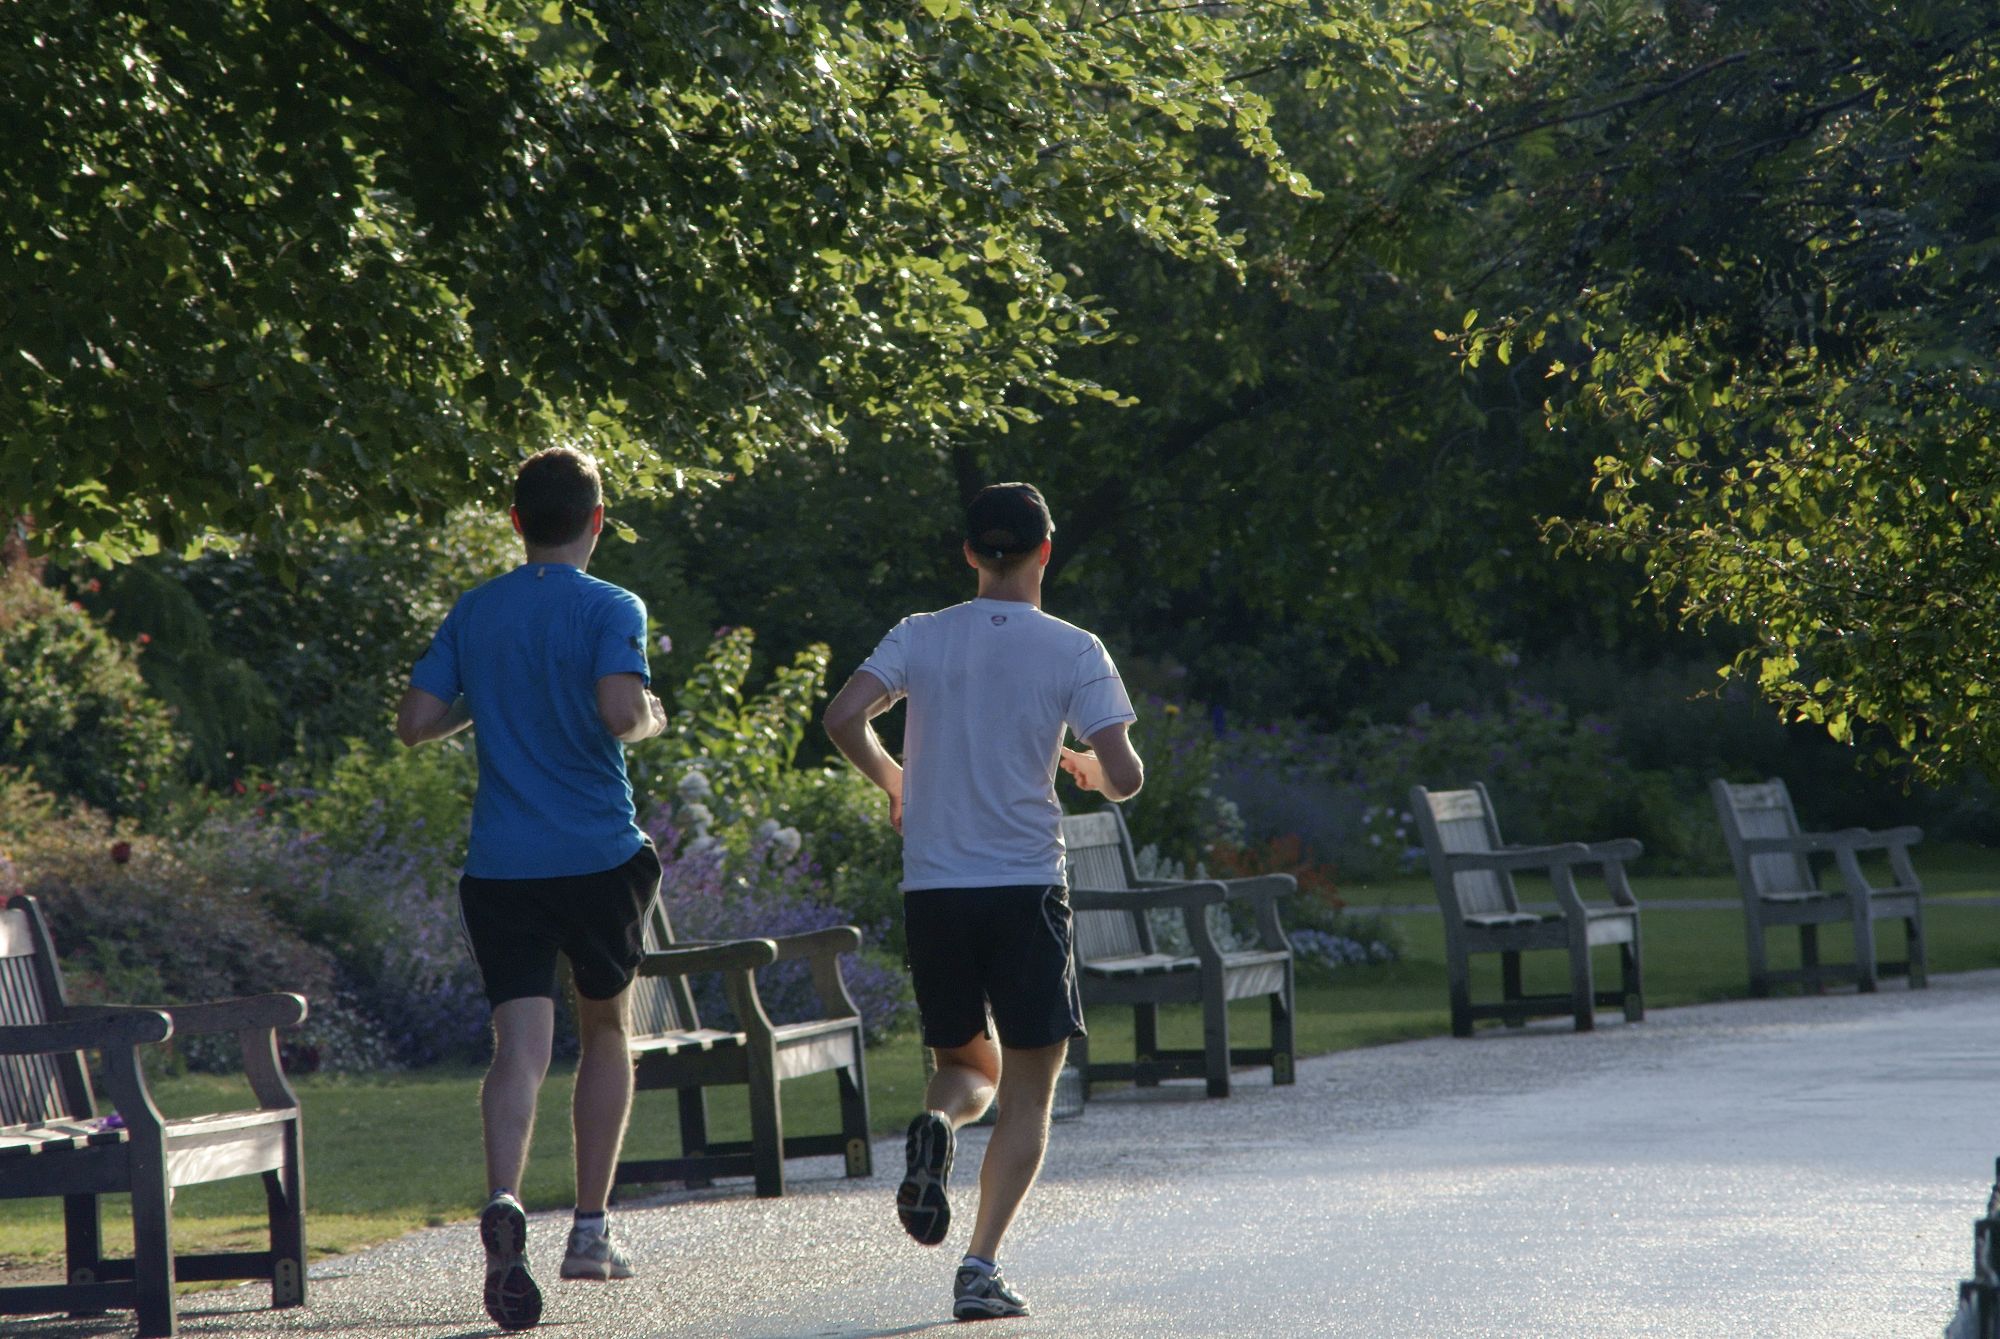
x=1000 y=950
x=517 y=926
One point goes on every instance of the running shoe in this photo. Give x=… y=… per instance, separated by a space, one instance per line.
x=512 y=1298
x=920 y=1200
x=981 y=1294
x=593 y=1254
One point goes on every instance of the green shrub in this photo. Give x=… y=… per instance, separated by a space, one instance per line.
x=139 y=919
x=418 y=801
x=1180 y=811
x=272 y=656
x=743 y=743
x=1553 y=777
x=74 y=710
x=843 y=818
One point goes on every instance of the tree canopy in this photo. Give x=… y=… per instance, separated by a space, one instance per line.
x=280 y=262
x=1760 y=239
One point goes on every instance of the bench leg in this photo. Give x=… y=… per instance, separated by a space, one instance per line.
x=1913 y=937
x=694 y=1130
x=1079 y=1055
x=1215 y=1034
x=1865 y=968
x=1631 y=980
x=1753 y=943
x=284 y=1199
x=854 y=1117
x=767 y=1126
x=1809 y=959
x=83 y=1241
x=1459 y=984
x=1282 y=1007
x=1510 y=985
x=1582 y=986
x=1145 y=1044
x=153 y=1255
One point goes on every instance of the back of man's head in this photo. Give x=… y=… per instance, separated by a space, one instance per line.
x=1005 y=525
x=554 y=495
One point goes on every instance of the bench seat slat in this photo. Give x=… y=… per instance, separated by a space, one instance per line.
x=688 y=1039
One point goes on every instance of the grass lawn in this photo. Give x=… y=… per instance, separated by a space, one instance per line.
x=389 y=1154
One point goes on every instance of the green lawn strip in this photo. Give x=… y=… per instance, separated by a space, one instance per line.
x=392 y=1153
x=1947 y=870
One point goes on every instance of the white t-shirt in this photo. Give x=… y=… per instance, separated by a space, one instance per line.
x=991 y=684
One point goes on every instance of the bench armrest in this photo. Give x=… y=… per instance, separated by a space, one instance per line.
x=237 y=1015
x=127 y=1027
x=1264 y=892
x=740 y=955
x=1260 y=887
x=1515 y=858
x=1847 y=839
x=823 y=950
x=1196 y=894
x=832 y=941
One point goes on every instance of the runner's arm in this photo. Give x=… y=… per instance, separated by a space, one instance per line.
x=1111 y=768
x=849 y=722
x=628 y=710
x=422 y=717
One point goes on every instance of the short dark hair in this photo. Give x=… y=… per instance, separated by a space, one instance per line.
x=1005 y=524
x=554 y=495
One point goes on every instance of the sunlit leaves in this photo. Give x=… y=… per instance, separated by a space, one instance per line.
x=271 y=263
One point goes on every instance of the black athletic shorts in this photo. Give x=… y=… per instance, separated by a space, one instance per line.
x=517 y=926
x=1003 y=950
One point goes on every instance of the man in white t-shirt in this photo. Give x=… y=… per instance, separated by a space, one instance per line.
x=991 y=685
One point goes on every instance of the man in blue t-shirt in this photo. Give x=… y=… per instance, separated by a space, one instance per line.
x=550 y=664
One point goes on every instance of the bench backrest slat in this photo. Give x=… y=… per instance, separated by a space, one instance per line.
x=1763 y=810
x=1460 y=821
x=661 y=1004
x=1096 y=854
x=35 y=1088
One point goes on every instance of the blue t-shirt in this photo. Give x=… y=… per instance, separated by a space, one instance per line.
x=526 y=650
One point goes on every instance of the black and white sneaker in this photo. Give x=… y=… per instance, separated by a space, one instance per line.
x=983 y=1295
x=920 y=1200
x=512 y=1298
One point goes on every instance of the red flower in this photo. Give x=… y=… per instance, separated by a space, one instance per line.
x=93 y=585
x=121 y=852
x=145 y=637
x=238 y=786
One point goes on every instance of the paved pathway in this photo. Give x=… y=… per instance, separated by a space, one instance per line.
x=1788 y=1168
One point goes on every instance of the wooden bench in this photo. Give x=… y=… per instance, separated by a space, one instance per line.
x=54 y=1145
x=1118 y=962
x=1472 y=872
x=1774 y=873
x=672 y=1050
x=1978 y=1314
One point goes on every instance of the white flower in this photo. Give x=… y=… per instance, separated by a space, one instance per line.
x=700 y=844
x=666 y=644
x=696 y=816
x=694 y=786
x=766 y=830
x=787 y=841
x=1374 y=839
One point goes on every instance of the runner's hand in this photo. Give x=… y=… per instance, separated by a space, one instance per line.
x=1084 y=769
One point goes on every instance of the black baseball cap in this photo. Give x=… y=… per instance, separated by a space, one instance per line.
x=1007 y=518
